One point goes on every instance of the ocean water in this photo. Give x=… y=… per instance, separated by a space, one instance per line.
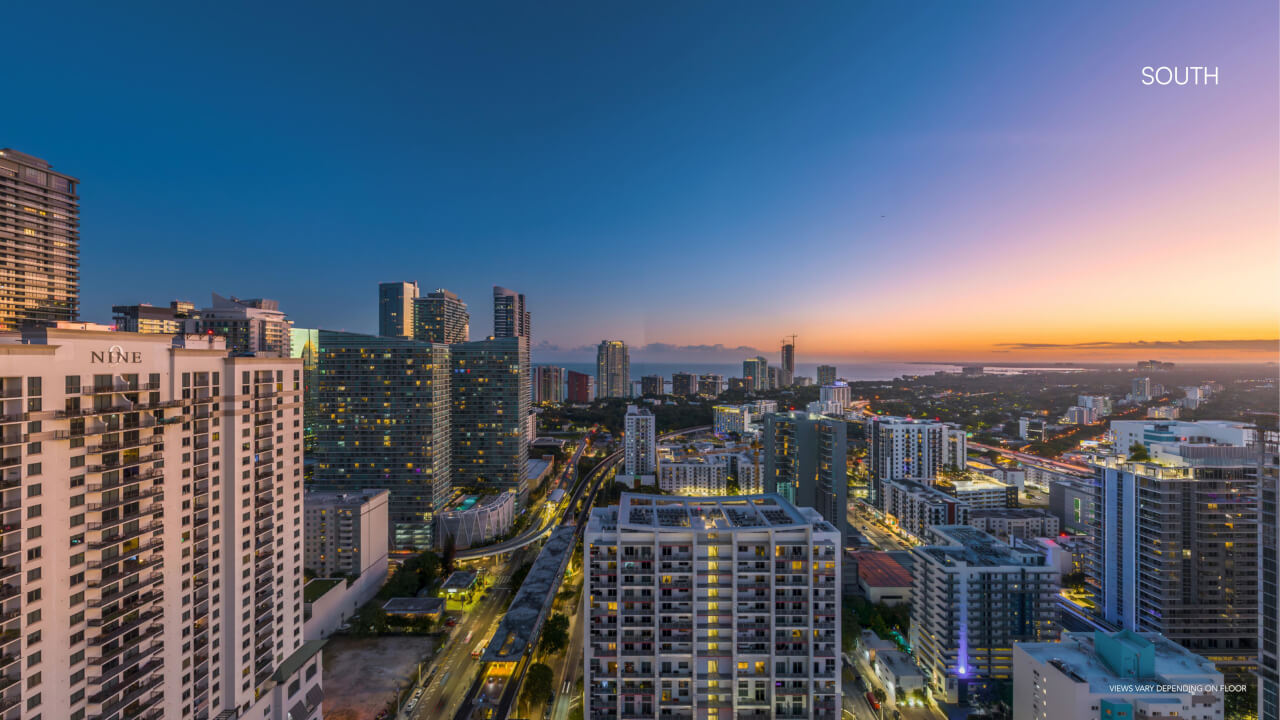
x=849 y=371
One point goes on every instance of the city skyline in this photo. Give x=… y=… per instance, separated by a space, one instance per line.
x=1056 y=201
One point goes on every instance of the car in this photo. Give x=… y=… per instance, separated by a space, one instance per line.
x=871 y=700
x=413 y=700
x=451 y=622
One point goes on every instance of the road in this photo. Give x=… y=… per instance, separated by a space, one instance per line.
x=455 y=674
x=864 y=520
x=571 y=665
x=454 y=669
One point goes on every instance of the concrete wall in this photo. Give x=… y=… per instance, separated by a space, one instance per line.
x=342 y=601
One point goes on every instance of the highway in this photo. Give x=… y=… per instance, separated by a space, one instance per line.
x=1035 y=459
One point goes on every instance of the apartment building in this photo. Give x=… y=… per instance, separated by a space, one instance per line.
x=1025 y=523
x=491 y=421
x=345 y=533
x=972 y=598
x=395 y=308
x=1268 y=447
x=613 y=369
x=383 y=422
x=152 y=530
x=731 y=419
x=510 y=316
x=39 y=242
x=806 y=461
x=915 y=508
x=579 y=387
x=980 y=492
x=640 y=446
x=710 y=384
x=548 y=384
x=179 y=317
x=692 y=475
x=903 y=449
x=441 y=317
x=706 y=607
x=250 y=326
x=755 y=372
x=684 y=384
x=1173 y=547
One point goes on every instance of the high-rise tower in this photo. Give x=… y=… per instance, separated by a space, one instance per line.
x=39 y=242
x=613 y=369
x=510 y=318
x=395 y=308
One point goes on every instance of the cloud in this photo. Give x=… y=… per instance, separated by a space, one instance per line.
x=717 y=349
x=659 y=352
x=1233 y=345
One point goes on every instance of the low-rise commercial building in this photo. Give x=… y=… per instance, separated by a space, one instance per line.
x=882 y=579
x=1091 y=675
x=898 y=672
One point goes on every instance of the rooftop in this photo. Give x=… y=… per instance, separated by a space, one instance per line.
x=877 y=569
x=414 y=605
x=707 y=513
x=459 y=580
x=1008 y=513
x=313 y=590
x=316 y=498
x=975 y=548
x=535 y=468
x=294 y=662
x=975 y=483
x=1078 y=656
x=898 y=663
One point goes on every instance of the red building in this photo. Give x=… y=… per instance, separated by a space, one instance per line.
x=581 y=387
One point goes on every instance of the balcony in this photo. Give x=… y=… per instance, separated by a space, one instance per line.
x=124 y=499
x=144 y=474
x=110 y=596
x=123 y=463
x=128 y=625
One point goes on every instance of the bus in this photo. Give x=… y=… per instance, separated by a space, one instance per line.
x=475 y=654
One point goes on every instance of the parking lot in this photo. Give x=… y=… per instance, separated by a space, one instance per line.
x=362 y=674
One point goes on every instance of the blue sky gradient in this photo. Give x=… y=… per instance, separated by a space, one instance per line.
x=661 y=172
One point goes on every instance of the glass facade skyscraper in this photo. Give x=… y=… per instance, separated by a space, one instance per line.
x=40 y=234
x=382 y=422
x=613 y=369
x=441 y=317
x=395 y=308
x=491 y=401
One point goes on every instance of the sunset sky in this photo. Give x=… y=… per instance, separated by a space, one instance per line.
x=906 y=181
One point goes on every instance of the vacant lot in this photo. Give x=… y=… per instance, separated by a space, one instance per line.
x=361 y=674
